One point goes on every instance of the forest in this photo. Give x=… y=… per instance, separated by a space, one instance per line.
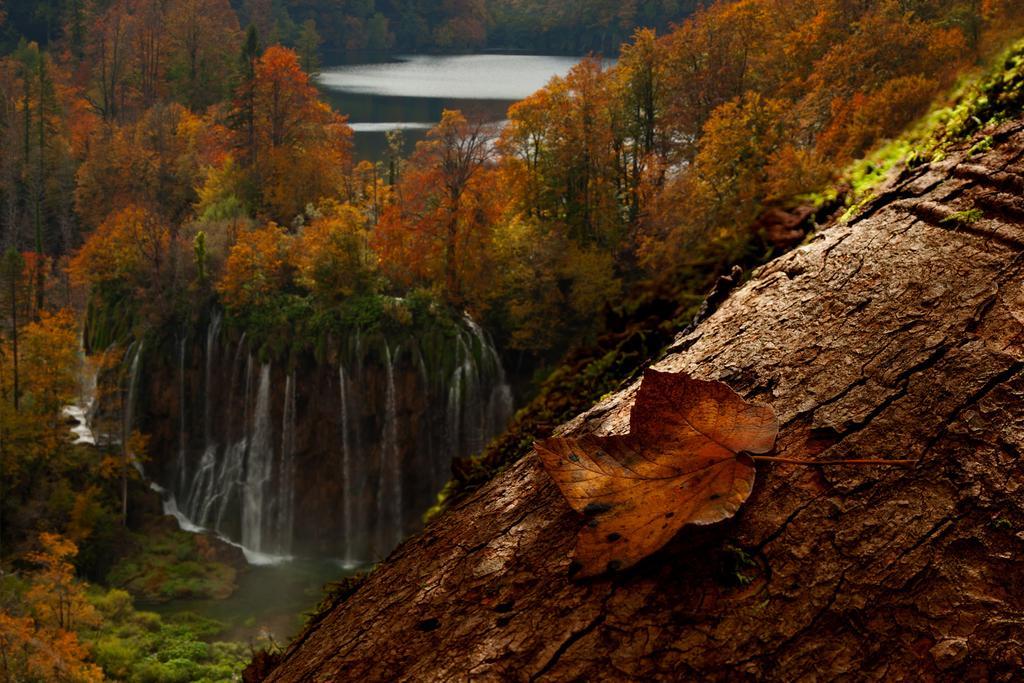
x=177 y=194
x=405 y=25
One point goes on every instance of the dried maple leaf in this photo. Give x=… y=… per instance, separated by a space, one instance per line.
x=683 y=462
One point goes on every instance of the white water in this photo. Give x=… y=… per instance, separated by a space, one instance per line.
x=81 y=431
x=286 y=475
x=384 y=126
x=258 y=468
x=84 y=407
x=389 y=487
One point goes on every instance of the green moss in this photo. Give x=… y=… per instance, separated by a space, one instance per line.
x=110 y=317
x=292 y=324
x=982 y=146
x=737 y=567
x=1001 y=524
x=965 y=217
x=164 y=567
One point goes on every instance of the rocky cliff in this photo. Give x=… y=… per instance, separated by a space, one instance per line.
x=335 y=454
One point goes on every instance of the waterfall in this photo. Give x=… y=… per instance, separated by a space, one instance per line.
x=348 y=487
x=128 y=420
x=83 y=409
x=374 y=450
x=286 y=476
x=182 y=466
x=455 y=394
x=389 y=487
x=500 y=404
x=259 y=461
x=212 y=336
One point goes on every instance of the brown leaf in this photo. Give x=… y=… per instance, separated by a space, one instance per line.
x=682 y=462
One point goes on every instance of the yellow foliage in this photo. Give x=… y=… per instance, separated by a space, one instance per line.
x=333 y=257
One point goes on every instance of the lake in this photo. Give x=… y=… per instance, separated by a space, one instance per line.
x=410 y=92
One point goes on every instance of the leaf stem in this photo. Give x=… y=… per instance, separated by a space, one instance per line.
x=863 y=461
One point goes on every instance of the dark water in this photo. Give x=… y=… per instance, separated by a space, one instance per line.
x=411 y=92
x=270 y=599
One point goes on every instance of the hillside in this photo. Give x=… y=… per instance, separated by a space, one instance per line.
x=896 y=334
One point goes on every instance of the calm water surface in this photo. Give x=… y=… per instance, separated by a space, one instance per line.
x=411 y=92
x=270 y=599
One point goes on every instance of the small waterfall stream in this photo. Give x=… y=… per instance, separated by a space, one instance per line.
x=258 y=469
x=83 y=410
x=131 y=389
x=389 y=484
x=348 y=487
x=285 y=497
x=335 y=457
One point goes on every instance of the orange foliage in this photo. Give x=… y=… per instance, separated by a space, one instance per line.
x=299 y=148
x=40 y=644
x=130 y=246
x=255 y=268
x=155 y=162
x=49 y=365
x=444 y=209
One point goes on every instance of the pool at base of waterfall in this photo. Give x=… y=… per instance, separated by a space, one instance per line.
x=271 y=601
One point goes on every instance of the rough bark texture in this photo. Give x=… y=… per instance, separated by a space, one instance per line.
x=900 y=334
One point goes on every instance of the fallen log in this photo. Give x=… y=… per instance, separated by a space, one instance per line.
x=899 y=334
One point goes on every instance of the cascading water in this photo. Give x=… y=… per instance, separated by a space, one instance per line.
x=296 y=460
x=258 y=469
x=389 y=486
x=286 y=474
x=348 y=486
x=83 y=410
x=182 y=465
x=131 y=389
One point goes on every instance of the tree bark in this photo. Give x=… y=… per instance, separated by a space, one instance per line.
x=900 y=335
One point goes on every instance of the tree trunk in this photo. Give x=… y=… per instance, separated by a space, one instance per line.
x=899 y=335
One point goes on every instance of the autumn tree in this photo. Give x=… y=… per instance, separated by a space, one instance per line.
x=135 y=259
x=704 y=211
x=440 y=208
x=37 y=641
x=642 y=96
x=204 y=38
x=256 y=268
x=49 y=364
x=56 y=598
x=570 y=136
x=295 y=147
x=155 y=161
x=332 y=256
x=109 y=53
